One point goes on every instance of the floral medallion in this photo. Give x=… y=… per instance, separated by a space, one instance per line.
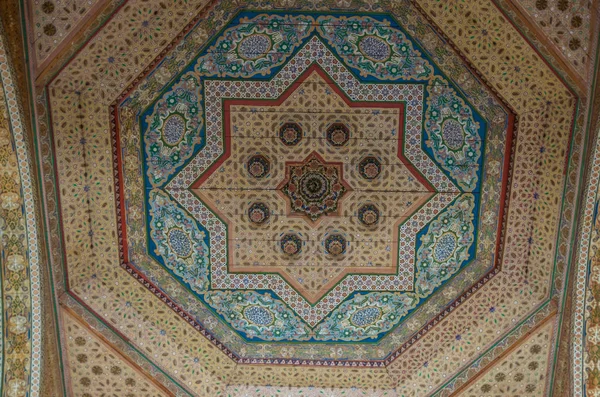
x=375 y=48
x=258 y=166
x=258 y=213
x=335 y=244
x=338 y=134
x=254 y=46
x=290 y=134
x=314 y=188
x=369 y=168
x=368 y=215
x=290 y=244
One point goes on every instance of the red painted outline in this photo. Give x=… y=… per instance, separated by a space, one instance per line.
x=120 y=187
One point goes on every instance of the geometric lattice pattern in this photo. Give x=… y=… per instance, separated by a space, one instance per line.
x=96 y=369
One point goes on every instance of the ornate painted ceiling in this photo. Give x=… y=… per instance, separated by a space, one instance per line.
x=289 y=197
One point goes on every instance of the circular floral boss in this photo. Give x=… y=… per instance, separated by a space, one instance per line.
x=258 y=213
x=258 y=166
x=290 y=134
x=368 y=215
x=290 y=244
x=335 y=244
x=338 y=134
x=369 y=167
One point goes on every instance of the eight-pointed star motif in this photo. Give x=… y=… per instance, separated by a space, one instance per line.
x=314 y=187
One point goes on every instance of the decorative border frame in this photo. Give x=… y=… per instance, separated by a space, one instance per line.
x=17 y=130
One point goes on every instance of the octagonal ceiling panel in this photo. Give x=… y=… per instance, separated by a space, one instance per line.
x=310 y=196
x=269 y=233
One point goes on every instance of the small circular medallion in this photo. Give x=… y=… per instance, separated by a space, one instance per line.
x=180 y=243
x=173 y=129
x=369 y=167
x=258 y=213
x=335 y=244
x=452 y=134
x=49 y=29
x=258 y=166
x=444 y=247
x=259 y=315
x=368 y=215
x=365 y=317
x=291 y=244
x=290 y=134
x=375 y=48
x=338 y=134
x=254 y=46
x=48 y=7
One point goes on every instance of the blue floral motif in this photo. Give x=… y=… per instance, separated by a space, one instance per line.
x=180 y=244
x=255 y=46
x=444 y=247
x=453 y=134
x=374 y=48
x=365 y=316
x=258 y=315
x=174 y=129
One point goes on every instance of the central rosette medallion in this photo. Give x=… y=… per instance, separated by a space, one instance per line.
x=314 y=188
